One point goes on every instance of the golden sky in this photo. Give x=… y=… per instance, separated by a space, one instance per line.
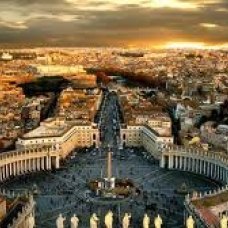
x=141 y=23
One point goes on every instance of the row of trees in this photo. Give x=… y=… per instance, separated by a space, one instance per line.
x=102 y=77
x=218 y=116
x=141 y=78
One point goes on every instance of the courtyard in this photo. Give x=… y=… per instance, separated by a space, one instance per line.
x=66 y=190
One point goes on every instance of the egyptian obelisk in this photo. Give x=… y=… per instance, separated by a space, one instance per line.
x=109 y=180
x=109 y=165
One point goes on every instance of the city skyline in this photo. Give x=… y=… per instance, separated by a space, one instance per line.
x=92 y=23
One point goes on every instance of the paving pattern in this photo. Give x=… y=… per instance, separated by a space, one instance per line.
x=64 y=191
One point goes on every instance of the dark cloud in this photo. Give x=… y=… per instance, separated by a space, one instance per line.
x=33 y=2
x=127 y=24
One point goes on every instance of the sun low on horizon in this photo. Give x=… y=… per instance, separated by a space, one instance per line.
x=188 y=45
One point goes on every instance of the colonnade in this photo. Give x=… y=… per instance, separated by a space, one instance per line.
x=16 y=163
x=212 y=165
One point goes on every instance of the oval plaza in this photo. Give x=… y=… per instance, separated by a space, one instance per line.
x=44 y=148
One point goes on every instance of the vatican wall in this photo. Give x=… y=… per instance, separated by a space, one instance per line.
x=211 y=165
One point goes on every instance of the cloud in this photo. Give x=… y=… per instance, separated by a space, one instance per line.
x=98 y=23
x=10 y=25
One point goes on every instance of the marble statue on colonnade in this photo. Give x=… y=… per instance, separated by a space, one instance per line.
x=126 y=220
x=224 y=221
x=109 y=219
x=146 y=221
x=60 y=221
x=74 y=221
x=31 y=221
x=94 y=221
x=190 y=222
x=158 y=222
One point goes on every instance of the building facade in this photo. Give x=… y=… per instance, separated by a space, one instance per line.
x=147 y=136
x=64 y=136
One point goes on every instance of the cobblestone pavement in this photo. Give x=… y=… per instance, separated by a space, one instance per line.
x=63 y=191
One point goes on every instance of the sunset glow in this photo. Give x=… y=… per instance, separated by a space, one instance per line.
x=174 y=4
x=188 y=45
x=157 y=23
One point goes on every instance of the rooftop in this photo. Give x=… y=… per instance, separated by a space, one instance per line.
x=211 y=206
x=158 y=131
x=211 y=201
x=55 y=128
x=49 y=128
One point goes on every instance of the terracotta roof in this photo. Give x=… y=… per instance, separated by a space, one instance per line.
x=209 y=217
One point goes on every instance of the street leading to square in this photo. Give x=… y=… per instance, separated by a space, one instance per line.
x=66 y=190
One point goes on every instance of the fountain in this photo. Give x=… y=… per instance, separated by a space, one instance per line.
x=110 y=186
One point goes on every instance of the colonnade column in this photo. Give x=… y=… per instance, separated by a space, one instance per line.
x=170 y=161
x=48 y=162
x=162 y=162
x=7 y=171
x=220 y=172
x=194 y=165
x=42 y=163
x=181 y=162
x=204 y=167
x=21 y=166
x=208 y=169
x=176 y=162
x=10 y=169
x=221 y=176
x=14 y=169
x=216 y=175
x=224 y=175
x=30 y=164
x=185 y=163
x=34 y=164
x=38 y=164
x=212 y=169
x=17 y=170
x=57 y=162
x=1 y=174
x=25 y=166
x=198 y=166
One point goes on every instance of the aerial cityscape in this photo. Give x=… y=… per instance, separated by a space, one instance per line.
x=114 y=114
